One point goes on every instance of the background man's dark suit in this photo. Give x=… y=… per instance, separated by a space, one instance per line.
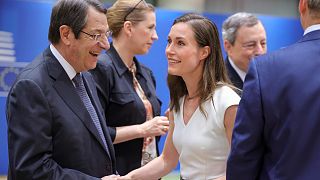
x=65 y=142
x=233 y=75
x=276 y=133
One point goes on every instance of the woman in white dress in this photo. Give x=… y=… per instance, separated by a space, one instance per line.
x=202 y=104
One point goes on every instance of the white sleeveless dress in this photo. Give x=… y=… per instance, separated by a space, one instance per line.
x=202 y=144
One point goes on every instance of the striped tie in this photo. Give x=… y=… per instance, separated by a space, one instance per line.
x=81 y=90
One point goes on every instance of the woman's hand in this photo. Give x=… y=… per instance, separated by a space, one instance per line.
x=157 y=126
x=111 y=177
x=126 y=177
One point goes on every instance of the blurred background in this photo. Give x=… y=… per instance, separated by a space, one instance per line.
x=284 y=8
x=24 y=27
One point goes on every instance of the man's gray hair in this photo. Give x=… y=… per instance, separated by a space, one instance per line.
x=233 y=23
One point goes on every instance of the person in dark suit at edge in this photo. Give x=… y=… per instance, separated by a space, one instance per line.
x=56 y=129
x=244 y=37
x=276 y=134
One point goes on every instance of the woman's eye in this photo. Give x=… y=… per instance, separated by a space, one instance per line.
x=180 y=43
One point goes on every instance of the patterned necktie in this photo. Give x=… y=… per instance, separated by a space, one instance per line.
x=81 y=90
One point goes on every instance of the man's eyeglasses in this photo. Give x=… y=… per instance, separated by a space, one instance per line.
x=98 y=37
x=130 y=11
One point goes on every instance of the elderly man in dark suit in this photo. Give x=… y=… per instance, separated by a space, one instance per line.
x=244 y=37
x=276 y=134
x=55 y=126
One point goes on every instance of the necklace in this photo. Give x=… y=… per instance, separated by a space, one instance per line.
x=192 y=97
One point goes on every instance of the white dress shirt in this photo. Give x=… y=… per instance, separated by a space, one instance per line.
x=66 y=66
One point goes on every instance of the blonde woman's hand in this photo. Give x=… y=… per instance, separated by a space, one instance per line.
x=157 y=126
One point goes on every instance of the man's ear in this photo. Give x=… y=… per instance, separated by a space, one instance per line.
x=66 y=34
x=302 y=6
x=227 y=45
x=127 y=28
x=204 y=53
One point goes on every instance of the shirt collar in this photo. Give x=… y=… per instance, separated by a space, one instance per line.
x=312 y=28
x=241 y=73
x=66 y=66
x=119 y=64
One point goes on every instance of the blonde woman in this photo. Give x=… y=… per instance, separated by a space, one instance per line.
x=127 y=88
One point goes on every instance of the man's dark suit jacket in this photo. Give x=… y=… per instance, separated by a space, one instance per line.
x=50 y=132
x=233 y=75
x=276 y=133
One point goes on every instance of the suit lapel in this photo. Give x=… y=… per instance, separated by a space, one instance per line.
x=67 y=92
x=233 y=75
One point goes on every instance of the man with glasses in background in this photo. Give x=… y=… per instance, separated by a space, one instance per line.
x=276 y=133
x=56 y=129
x=244 y=37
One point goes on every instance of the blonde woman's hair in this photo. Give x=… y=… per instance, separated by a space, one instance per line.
x=127 y=10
